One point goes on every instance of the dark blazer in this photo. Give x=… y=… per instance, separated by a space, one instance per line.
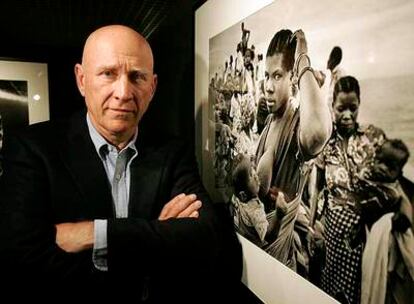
x=52 y=174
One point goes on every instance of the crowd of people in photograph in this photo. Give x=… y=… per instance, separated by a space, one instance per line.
x=305 y=181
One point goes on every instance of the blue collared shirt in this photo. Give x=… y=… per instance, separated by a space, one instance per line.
x=117 y=168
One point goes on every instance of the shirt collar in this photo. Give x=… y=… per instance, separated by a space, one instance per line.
x=100 y=143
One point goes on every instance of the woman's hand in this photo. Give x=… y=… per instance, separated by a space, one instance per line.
x=301 y=48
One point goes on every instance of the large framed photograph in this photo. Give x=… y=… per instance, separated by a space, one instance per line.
x=24 y=95
x=331 y=206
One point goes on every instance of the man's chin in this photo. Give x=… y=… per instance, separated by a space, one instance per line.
x=347 y=126
x=272 y=108
x=121 y=126
x=346 y=129
x=123 y=115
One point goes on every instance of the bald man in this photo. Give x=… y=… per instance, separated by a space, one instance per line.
x=88 y=203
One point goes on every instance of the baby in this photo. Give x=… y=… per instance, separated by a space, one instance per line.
x=249 y=214
x=378 y=185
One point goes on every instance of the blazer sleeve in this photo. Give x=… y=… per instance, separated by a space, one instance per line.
x=206 y=244
x=27 y=231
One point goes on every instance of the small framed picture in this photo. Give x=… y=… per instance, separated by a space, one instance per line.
x=24 y=93
x=24 y=96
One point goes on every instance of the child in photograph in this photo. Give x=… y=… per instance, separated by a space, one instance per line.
x=248 y=211
x=388 y=259
x=389 y=161
x=378 y=184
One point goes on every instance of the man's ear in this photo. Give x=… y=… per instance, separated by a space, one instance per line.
x=154 y=85
x=80 y=78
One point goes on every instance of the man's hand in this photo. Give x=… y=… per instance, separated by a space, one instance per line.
x=75 y=237
x=181 y=206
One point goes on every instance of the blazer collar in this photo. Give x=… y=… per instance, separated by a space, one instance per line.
x=79 y=155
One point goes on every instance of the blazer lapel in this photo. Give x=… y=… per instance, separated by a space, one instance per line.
x=82 y=161
x=146 y=173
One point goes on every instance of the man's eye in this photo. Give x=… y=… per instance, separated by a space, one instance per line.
x=136 y=76
x=276 y=76
x=108 y=73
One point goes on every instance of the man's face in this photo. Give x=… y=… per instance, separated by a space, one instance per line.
x=247 y=58
x=118 y=84
x=277 y=83
x=345 y=110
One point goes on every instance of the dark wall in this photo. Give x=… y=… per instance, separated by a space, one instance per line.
x=173 y=46
x=172 y=110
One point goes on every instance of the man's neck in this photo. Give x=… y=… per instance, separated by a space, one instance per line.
x=120 y=141
x=278 y=115
x=346 y=134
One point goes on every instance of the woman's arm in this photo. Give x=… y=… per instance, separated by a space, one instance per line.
x=315 y=117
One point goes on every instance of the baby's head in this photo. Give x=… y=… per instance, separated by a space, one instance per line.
x=244 y=178
x=390 y=160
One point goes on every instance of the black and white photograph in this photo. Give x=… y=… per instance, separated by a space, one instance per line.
x=24 y=97
x=14 y=110
x=313 y=114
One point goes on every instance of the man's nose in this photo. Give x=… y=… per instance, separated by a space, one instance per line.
x=347 y=115
x=123 y=88
x=269 y=87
